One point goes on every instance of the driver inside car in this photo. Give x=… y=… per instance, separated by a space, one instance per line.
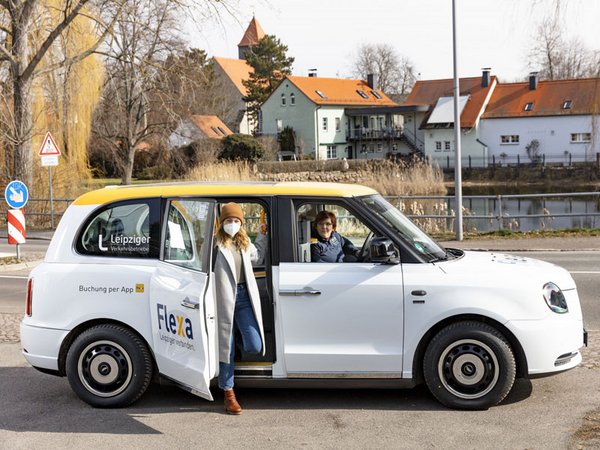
x=328 y=245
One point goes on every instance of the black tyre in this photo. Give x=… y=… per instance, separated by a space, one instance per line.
x=108 y=366
x=469 y=365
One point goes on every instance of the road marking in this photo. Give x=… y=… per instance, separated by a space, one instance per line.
x=15 y=277
x=586 y=272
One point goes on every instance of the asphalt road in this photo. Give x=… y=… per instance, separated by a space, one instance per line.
x=31 y=246
x=41 y=411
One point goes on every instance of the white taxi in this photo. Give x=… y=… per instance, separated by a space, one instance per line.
x=126 y=295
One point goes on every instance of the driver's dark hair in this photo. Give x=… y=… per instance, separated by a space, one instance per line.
x=323 y=215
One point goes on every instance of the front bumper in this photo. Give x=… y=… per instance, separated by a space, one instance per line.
x=41 y=346
x=550 y=345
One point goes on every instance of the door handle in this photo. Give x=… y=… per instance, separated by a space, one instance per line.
x=299 y=292
x=308 y=292
x=419 y=293
x=187 y=303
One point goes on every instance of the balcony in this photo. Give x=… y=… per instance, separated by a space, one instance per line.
x=371 y=134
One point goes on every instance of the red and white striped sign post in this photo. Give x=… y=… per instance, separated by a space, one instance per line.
x=16 y=228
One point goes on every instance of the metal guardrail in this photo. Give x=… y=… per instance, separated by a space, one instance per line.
x=500 y=214
x=51 y=212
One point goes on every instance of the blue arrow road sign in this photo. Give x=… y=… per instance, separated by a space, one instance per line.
x=16 y=194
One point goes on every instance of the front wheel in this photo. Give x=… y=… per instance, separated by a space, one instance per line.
x=469 y=365
x=108 y=366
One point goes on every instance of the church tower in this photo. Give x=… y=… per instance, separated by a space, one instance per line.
x=254 y=33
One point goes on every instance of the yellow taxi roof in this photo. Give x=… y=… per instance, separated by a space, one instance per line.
x=115 y=193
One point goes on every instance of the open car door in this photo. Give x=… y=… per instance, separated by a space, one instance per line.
x=182 y=305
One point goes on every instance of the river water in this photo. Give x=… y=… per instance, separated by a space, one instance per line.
x=546 y=212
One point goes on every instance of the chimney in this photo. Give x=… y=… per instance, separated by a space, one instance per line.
x=312 y=73
x=533 y=81
x=372 y=81
x=485 y=77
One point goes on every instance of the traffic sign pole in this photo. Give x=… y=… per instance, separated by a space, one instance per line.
x=16 y=228
x=51 y=198
x=49 y=154
x=16 y=195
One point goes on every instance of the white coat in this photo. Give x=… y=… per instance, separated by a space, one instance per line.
x=226 y=288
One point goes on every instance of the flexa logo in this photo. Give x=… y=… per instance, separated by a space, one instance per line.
x=179 y=325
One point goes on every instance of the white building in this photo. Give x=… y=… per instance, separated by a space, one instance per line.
x=431 y=125
x=505 y=123
x=557 y=120
x=333 y=118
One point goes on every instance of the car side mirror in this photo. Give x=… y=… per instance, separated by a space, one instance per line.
x=382 y=250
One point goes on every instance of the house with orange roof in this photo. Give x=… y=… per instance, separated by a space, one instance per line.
x=323 y=114
x=553 y=121
x=232 y=72
x=505 y=123
x=429 y=118
x=198 y=128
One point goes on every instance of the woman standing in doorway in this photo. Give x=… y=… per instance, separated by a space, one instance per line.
x=238 y=299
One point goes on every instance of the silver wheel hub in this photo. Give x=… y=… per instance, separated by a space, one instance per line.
x=468 y=369
x=105 y=368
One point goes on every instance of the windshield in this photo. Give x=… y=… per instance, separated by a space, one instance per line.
x=407 y=230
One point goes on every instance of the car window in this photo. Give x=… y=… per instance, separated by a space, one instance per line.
x=343 y=244
x=185 y=231
x=407 y=230
x=123 y=230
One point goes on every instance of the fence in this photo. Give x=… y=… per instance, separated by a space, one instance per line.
x=522 y=212
x=41 y=213
x=565 y=159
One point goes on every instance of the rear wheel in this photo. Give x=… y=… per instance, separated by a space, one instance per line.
x=469 y=365
x=109 y=366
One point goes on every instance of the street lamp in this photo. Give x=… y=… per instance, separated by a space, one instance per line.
x=458 y=160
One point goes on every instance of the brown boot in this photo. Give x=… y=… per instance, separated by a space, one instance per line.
x=231 y=404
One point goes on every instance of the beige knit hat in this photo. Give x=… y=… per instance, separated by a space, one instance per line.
x=231 y=210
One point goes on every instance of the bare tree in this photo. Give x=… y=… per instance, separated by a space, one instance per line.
x=557 y=58
x=395 y=73
x=187 y=84
x=28 y=30
x=142 y=38
x=145 y=82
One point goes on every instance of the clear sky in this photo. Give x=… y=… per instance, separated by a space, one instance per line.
x=324 y=34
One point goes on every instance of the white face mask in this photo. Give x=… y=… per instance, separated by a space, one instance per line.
x=232 y=228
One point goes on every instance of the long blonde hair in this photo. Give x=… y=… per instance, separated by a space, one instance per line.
x=241 y=241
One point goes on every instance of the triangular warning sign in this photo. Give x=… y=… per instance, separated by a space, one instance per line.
x=49 y=147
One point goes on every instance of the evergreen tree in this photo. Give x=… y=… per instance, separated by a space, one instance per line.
x=287 y=140
x=270 y=63
x=241 y=147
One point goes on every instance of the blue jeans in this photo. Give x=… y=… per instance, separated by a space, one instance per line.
x=245 y=321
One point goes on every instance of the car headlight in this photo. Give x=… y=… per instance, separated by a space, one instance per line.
x=555 y=299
